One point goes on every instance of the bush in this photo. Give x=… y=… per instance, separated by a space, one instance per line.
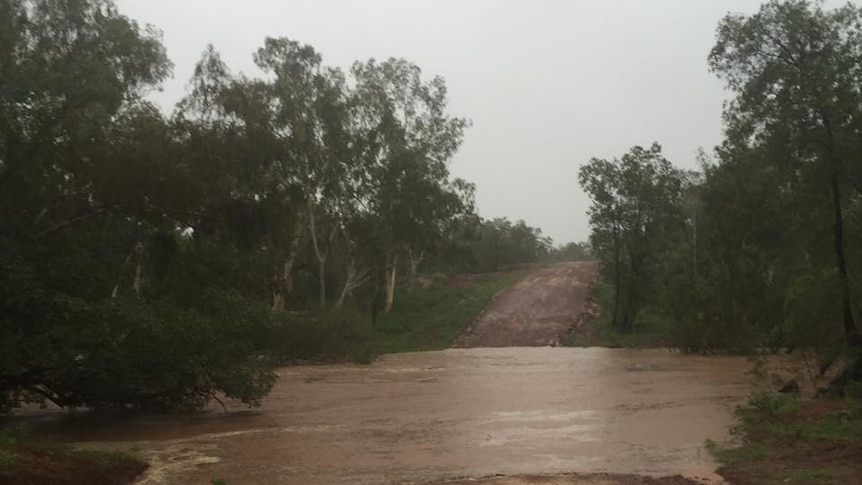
x=321 y=335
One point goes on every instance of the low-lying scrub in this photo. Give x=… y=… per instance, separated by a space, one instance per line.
x=782 y=439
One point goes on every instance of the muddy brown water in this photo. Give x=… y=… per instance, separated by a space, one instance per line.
x=420 y=417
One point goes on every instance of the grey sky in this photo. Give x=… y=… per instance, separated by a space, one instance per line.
x=547 y=84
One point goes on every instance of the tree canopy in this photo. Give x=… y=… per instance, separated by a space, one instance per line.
x=759 y=250
x=163 y=260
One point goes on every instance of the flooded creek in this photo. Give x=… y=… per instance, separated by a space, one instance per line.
x=419 y=417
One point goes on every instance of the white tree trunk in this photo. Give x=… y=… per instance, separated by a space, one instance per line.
x=320 y=251
x=137 y=249
x=415 y=260
x=391 y=264
x=284 y=281
x=353 y=279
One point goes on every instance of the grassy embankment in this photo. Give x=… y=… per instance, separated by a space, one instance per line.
x=26 y=460
x=429 y=313
x=649 y=330
x=430 y=318
x=786 y=440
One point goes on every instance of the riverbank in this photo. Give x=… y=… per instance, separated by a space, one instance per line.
x=25 y=460
x=782 y=439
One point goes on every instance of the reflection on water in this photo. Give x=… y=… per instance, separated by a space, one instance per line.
x=422 y=416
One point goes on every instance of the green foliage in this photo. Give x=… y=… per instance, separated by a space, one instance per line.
x=321 y=335
x=635 y=217
x=810 y=476
x=735 y=455
x=106 y=459
x=793 y=68
x=476 y=245
x=758 y=251
x=784 y=417
x=650 y=330
x=764 y=407
x=161 y=262
x=782 y=439
x=580 y=251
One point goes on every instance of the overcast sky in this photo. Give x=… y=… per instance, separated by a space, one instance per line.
x=547 y=84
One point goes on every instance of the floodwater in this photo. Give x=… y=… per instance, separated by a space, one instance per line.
x=420 y=417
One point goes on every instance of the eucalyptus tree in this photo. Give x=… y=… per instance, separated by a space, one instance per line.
x=95 y=202
x=311 y=114
x=406 y=139
x=796 y=75
x=65 y=74
x=635 y=211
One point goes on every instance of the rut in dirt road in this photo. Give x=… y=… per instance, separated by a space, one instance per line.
x=537 y=311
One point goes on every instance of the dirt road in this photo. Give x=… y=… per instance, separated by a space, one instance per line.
x=537 y=311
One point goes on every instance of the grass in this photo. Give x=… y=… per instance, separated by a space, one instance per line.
x=783 y=439
x=430 y=318
x=810 y=476
x=423 y=318
x=731 y=455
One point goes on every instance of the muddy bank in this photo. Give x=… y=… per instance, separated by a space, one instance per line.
x=421 y=417
x=537 y=311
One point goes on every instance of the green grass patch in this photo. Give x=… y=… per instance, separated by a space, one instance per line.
x=430 y=318
x=810 y=476
x=787 y=419
x=106 y=459
x=728 y=455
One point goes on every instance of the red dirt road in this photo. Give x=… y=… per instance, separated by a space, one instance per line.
x=538 y=311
